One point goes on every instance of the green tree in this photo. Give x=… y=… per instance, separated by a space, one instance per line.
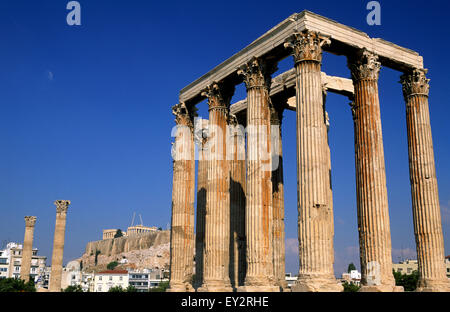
x=112 y=265
x=16 y=285
x=161 y=287
x=351 y=267
x=76 y=288
x=350 y=287
x=118 y=233
x=408 y=281
x=116 y=289
x=131 y=289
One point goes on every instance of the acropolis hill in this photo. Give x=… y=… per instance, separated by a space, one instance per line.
x=148 y=250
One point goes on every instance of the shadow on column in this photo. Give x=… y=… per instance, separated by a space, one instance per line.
x=200 y=237
x=238 y=262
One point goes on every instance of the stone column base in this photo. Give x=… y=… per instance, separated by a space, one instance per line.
x=215 y=287
x=317 y=285
x=433 y=286
x=381 y=288
x=180 y=288
x=258 y=289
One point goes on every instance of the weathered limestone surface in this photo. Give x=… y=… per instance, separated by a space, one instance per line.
x=217 y=222
x=259 y=213
x=424 y=188
x=237 y=202
x=314 y=210
x=371 y=192
x=58 y=245
x=27 y=252
x=279 y=269
x=183 y=194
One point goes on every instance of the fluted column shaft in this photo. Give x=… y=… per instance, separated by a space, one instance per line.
x=58 y=245
x=259 y=213
x=201 y=206
x=27 y=251
x=372 y=201
x=279 y=269
x=314 y=208
x=424 y=188
x=237 y=203
x=183 y=193
x=217 y=222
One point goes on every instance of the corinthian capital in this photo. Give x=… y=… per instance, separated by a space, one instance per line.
x=184 y=116
x=30 y=221
x=364 y=65
x=257 y=73
x=307 y=45
x=415 y=83
x=62 y=206
x=219 y=95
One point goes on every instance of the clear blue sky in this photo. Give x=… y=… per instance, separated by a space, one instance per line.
x=86 y=110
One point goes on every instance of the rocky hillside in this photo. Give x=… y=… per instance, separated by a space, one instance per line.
x=149 y=251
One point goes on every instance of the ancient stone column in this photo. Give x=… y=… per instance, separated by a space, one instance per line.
x=201 y=136
x=183 y=193
x=279 y=270
x=217 y=222
x=237 y=199
x=314 y=208
x=329 y=184
x=259 y=212
x=27 y=251
x=424 y=188
x=371 y=191
x=58 y=245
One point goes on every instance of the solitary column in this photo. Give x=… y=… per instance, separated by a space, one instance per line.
x=217 y=222
x=201 y=140
x=237 y=200
x=279 y=269
x=424 y=189
x=314 y=230
x=371 y=192
x=259 y=212
x=58 y=245
x=27 y=251
x=183 y=193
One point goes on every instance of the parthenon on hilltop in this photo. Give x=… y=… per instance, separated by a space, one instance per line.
x=239 y=230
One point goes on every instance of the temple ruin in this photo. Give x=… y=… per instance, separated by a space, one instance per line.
x=238 y=244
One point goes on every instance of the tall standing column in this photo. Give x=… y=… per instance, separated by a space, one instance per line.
x=237 y=200
x=183 y=193
x=329 y=183
x=259 y=211
x=372 y=201
x=27 y=251
x=424 y=188
x=217 y=222
x=279 y=269
x=58 y=245
x=314 y=230
x=201 y=140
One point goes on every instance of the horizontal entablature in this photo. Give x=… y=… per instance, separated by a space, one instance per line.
x=344 y=41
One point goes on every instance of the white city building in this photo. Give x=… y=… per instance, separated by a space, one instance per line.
x=11 y=259
x=105 y=280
